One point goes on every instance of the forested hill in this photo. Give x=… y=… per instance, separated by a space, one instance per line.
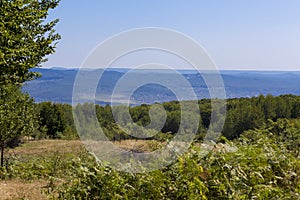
x=56 y=85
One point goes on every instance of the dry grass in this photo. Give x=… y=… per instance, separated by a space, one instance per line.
x=75 y=147
x=33 y=189
x=48 y=148
x=21 y=189
x=138 y=145
x=18 y=189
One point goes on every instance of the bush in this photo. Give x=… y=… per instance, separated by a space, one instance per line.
x=89 y=180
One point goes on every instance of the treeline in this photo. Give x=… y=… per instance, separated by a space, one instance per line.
x=56 y=120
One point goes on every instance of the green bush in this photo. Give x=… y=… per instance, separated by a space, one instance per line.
x=259 y=169
x=89 y=180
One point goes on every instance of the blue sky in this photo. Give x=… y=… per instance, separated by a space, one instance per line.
x=237 y=34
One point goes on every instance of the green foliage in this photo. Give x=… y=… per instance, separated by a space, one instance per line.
x=16 y=110
x=51 y=119
x=261 y=168
x=242 y=114
x=17 y=116
x=97 y=181
x=47 y=164
x=35 y=168
x=248 y=168
x=260 y=164
x=250 y=113
x=55 y=121
x=26 y=38
x=284 y=133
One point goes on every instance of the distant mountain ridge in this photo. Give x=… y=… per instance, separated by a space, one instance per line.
x=56 y=84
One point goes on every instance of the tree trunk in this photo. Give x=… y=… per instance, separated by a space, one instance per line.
x=2 y=153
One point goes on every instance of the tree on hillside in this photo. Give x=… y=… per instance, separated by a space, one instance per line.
x=51 y=119
x=25 y=38
x=242 y=115
x=17 y=116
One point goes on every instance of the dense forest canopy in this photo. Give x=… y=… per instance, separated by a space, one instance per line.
x=56 y=120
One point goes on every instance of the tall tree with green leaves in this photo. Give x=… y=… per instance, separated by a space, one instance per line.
x=26 y=38
x=51 y=118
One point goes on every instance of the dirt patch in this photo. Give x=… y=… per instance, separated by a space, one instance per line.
x=18 y=189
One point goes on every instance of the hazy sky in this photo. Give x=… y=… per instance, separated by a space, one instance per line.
x=237 y=34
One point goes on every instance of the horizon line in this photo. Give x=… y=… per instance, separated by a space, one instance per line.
x=181 y=69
